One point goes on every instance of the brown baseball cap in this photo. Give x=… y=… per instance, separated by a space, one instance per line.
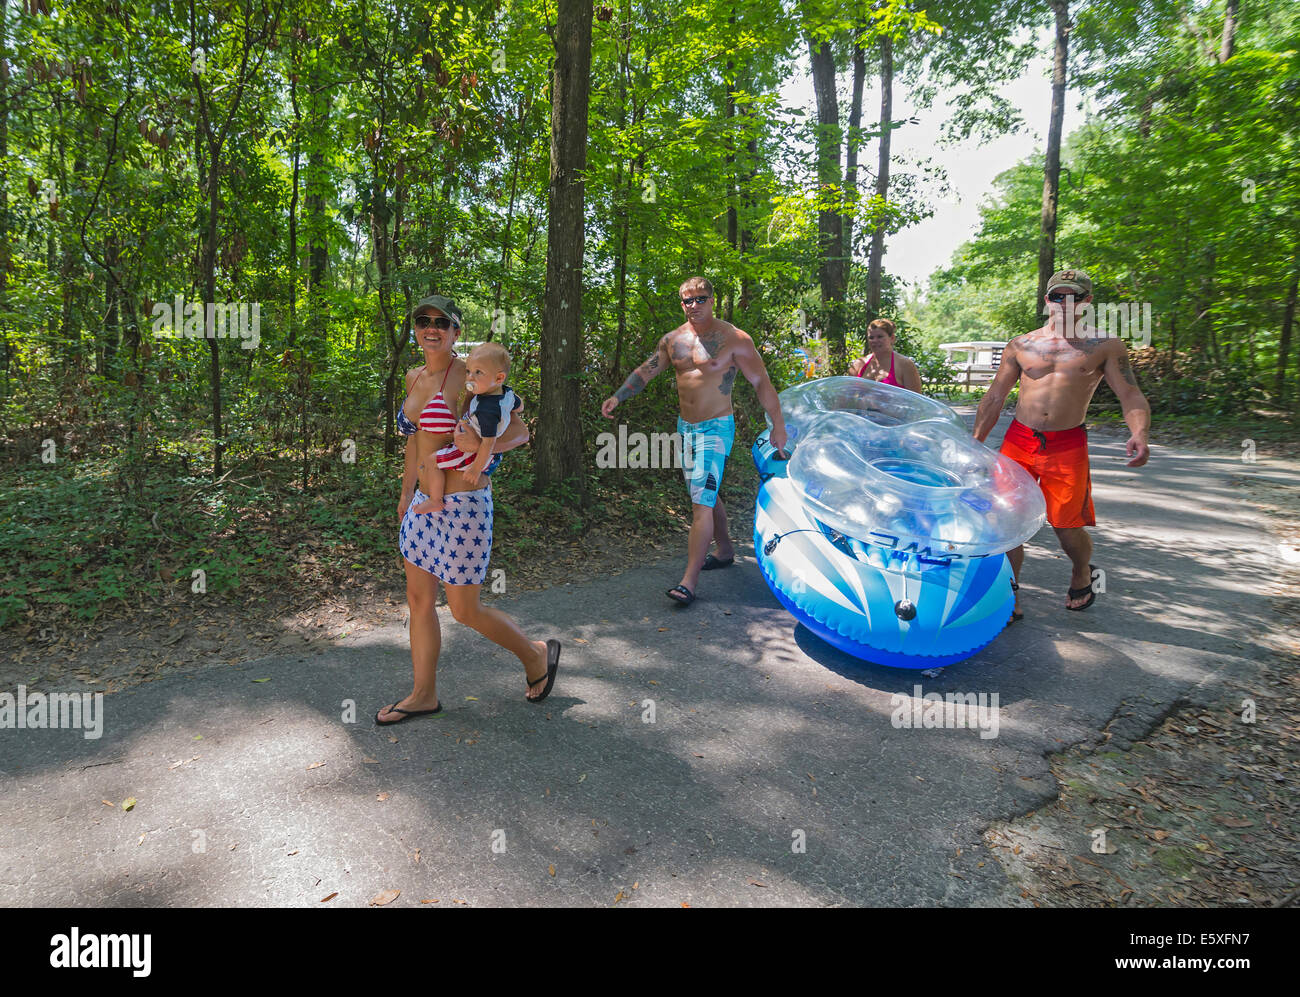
x=1071 y=280
x=444 y=305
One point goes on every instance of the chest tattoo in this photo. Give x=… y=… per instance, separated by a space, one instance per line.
x=1060 y=351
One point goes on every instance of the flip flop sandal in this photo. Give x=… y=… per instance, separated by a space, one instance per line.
x=711 y=562
x=1078 y=593
x=552 y=666
x=1016 y=615
x=408 y=714
x=672 y=594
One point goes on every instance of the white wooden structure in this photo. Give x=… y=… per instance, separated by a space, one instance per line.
x=974 y=362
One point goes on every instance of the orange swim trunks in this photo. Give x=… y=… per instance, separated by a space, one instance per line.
x=1058 y=461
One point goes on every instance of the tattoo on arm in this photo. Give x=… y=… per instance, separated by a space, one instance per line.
x=652 y=364
x=631 y=387
x=1122 y=367
x=727 y=379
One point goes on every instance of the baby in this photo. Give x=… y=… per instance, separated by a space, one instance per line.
x=488 y=414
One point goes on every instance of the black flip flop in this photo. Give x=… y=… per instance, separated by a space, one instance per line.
x=711 y=562
x=1016 y=615
x=690 y=596
x=407 y=714
x=552 y=666
x=1076 y=593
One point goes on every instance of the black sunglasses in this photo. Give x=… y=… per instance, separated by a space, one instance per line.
x=1059 y=296
x=695 y=301
x=424 y=321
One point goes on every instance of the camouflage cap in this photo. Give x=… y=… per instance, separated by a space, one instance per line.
x=444 y=305
x=1071 y=280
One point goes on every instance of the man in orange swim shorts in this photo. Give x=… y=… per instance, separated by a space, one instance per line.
x=1058 y=368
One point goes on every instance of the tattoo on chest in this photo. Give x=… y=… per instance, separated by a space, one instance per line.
x=727 y=380
x=1059 y=352
x=689 y=348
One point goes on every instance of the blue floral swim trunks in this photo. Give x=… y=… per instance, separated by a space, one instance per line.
x=705 y=448
x=453 y=545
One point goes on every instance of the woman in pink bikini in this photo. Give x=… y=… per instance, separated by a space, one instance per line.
x=452 y=546
x=882 y=363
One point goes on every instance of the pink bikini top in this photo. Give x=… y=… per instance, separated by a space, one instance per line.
x=888 y=378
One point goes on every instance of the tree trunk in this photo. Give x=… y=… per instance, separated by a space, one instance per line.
x=624 y=192
x=620 y=285
x=1205 y=304
x=635 y=168
x=1052 y=169
x=876 y=262
x=293 y=204
x=379 y=244
x=438 y=261
x=1229 y=31
x=4 y=191
x=746 y=235
x=401 y=197
x=1173 y=342
x=733 y=192
x=208 y=269
x=209 y=142
x=1284 y=343
x=559 y=435
x=832 y=273
x=510 y=216
x=68 y=332
x=317 y=182
x=318 y=227
x=106 y=355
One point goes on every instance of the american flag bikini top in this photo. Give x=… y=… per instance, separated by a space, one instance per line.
x=436 y=417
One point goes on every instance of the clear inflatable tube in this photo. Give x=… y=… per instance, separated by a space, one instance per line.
x=895 y=469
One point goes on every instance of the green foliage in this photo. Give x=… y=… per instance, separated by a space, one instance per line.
x=1180 y=193
x=419 y=138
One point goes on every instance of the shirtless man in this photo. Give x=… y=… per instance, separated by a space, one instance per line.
x=706 y=353
x=1059 y=367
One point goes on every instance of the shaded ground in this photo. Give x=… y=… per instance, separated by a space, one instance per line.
x=1202 y=810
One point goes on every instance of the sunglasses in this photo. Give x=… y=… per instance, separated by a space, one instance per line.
x=424 y=321
x=695 y=301
x=1059 y=296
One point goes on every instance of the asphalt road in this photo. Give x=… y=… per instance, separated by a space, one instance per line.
x=770 y=775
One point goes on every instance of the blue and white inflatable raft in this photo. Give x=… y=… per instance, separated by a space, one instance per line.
x=886 y=529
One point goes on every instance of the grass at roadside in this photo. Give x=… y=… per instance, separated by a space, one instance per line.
x=86 y=540
x=1261 y=434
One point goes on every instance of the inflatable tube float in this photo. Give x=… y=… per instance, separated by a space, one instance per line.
x=885 y=530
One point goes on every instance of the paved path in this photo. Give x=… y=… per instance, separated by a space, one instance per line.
x=257 y=793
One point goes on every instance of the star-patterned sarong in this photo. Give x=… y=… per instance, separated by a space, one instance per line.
x=453 y=545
